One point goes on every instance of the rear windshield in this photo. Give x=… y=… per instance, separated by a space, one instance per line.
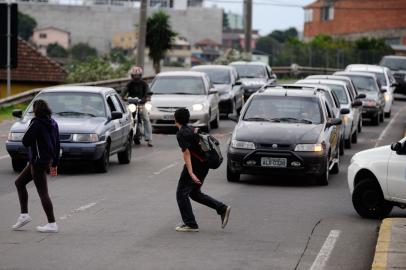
x=284 y=109
x=364 y=84
x=217 y=76
x=250 y=71
x=74 y=104
x=178 y=86
x=394 y=63
x=340 y=92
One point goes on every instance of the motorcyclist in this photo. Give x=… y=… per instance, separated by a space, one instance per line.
x=138 y=88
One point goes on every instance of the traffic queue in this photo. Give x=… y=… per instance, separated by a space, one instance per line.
x=299 y=129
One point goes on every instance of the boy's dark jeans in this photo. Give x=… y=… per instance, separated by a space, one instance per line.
x=187 y=188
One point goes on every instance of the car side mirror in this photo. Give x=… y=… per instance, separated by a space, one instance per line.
x=360 y=96
x=116 y=115
x=273 y=77
x=357 y=103
x=17 y=113
x=213 y=91
x=399 y=148
x=233 y=117
x=238 y=83
x=383 y=90
x=333 y=122
x=345 y=111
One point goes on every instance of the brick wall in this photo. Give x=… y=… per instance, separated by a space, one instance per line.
x=358 y=16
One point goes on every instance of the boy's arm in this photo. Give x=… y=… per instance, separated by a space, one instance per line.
x=188 y=163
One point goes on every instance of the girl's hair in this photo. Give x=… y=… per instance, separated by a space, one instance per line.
x=41 y=108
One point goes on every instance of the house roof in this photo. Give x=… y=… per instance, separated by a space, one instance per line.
x=51 y=27
x=207 y=42
x=32 y=66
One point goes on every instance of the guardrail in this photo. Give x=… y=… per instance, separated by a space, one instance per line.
x=119 y=84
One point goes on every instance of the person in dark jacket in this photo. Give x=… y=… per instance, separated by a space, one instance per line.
x=42 y=141
x=138 y=88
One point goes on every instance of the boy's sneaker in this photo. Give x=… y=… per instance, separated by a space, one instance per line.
x=225 y=216
x=186 y=228
x=22 y=220
x=48 y=228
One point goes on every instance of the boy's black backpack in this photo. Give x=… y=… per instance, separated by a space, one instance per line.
x=211 y=148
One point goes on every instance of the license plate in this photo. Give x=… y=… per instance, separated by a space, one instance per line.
x=169 y=117
x=274 y=162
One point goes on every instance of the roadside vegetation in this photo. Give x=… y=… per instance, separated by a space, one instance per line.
x=5 y=112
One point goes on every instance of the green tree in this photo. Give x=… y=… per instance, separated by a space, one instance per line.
x=267 y=44
x=56 y=50
x=83 y=52
x=26 y=25
x=283 y=36
x=159 y=38
x=118 y=55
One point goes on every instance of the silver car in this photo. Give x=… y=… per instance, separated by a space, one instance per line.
x=385 y=78
x=225 y=81
x=184 y=89
x=351 y=121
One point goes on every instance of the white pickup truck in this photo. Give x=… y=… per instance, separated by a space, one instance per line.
x=377 y=180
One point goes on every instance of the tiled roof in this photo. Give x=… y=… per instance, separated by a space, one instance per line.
x=207 y=41
x=34 y=67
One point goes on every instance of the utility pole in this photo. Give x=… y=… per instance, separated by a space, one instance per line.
x=247 y=28
x=8 y=49
x=142 y=32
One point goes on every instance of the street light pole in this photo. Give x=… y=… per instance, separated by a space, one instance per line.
x=248 y=28
x=8 y=49
x=142 y=32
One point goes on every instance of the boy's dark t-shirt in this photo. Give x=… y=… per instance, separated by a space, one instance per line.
x=187 y=139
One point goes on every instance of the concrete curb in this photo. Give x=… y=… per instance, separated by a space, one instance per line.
x=390 y=252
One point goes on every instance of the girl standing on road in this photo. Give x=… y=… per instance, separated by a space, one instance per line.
x=42 y=140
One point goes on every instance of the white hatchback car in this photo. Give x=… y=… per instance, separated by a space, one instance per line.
x=377 y=180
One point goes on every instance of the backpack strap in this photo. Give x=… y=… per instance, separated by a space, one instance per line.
x=196 y=156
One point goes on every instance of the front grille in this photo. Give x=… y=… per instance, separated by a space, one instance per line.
x=278 y=146
x=169 y=109
x=165 y=122
x=65 y=137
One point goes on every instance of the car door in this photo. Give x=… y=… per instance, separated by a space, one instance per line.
x=213 y=98
x=237 y=90
x=333 y=130
x=114 y=126
x=397 y=175
x=125 y=122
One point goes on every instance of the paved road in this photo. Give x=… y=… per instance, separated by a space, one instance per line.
x=124 y=219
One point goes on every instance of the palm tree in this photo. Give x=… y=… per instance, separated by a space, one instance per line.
x=159 y=38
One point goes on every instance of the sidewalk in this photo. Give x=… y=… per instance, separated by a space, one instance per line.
x=390 y=250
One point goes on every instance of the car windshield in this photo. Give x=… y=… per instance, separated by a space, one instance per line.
x=381 y=78
x=178 y=85
x=73 y=104
x=284 y=109
x=217 y=76
x=394 y=63
x=340 y=92
x=250 y=71
x=364 y=84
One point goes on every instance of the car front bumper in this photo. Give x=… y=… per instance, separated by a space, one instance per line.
x=167 y=120
x=70 y=151
x=310 y=163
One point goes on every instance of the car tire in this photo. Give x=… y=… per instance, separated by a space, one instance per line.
x=388 y=114
x=354 y=137
x=322 y=179
x=375 y=120
x=102 y=165
x=347 y=143
x=368 y=200
x=124 y=157
x=216 y=122
x=232 y=176
x=18 y=164
x=382 y=117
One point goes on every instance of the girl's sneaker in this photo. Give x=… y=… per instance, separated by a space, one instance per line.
x=22 y=220
x=186 y=228
x=48 y=228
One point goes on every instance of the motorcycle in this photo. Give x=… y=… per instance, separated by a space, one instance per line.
x=136 y=109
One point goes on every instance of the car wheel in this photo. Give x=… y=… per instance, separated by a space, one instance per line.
x=368 y=200
x=336 y=167
x=216 y=122
x=232 y=176
x=322 y=179
x=102 y=165
x=354 y=137
x=18 y=164
x=125 y=156
x=375 y=120
x=388 y=114
x=347 y=143
x=382 y=117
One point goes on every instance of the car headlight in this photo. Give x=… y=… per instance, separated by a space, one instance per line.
x=387 y=97
x=15 y=136
x=132 y=108
x=346 y=120
x=309 y=148
x=242 y=145
x=369 y=103
x=148 y=106
x=91 y=137
x=197 y=107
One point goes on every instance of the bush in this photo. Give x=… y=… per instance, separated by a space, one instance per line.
x=83 y=52
x=56 y=50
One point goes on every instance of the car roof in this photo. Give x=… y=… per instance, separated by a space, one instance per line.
x=329 y=77
x=395 y=56
x=356 y=73
x=289 y=90
x=362 y=68
x=212 y=67
x=248 y=63
x=77 y=88
x=323 y=82
x=181 y=74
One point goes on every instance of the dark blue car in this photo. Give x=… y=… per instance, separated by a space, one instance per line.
x=93 y=123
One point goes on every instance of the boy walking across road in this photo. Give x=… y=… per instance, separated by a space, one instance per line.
x=192 y=177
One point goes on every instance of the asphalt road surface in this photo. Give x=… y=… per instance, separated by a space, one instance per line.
x=125 y=219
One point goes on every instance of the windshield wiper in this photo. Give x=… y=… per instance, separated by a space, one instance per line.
x=261 y=119
x=75 y=113
x=364 y=89
x=306 y=121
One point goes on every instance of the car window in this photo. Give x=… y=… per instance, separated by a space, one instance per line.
x=284 y=109
x=250 y=71
x=74 y=104
x=329 y=112
x=340 y=92
x=351 y=91
x=381 y=78
x=111 y=105
x=217 y=76
x=178 y=85
x=364 y=84
x=117 y=104
x=394 y=63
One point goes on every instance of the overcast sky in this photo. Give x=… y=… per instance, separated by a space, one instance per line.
x=267 y=18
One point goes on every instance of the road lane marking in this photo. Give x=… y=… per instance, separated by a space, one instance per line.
x=166 y=168
x=383 y=134
x=325 y=251
x=4 y=157
x=79 y=209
